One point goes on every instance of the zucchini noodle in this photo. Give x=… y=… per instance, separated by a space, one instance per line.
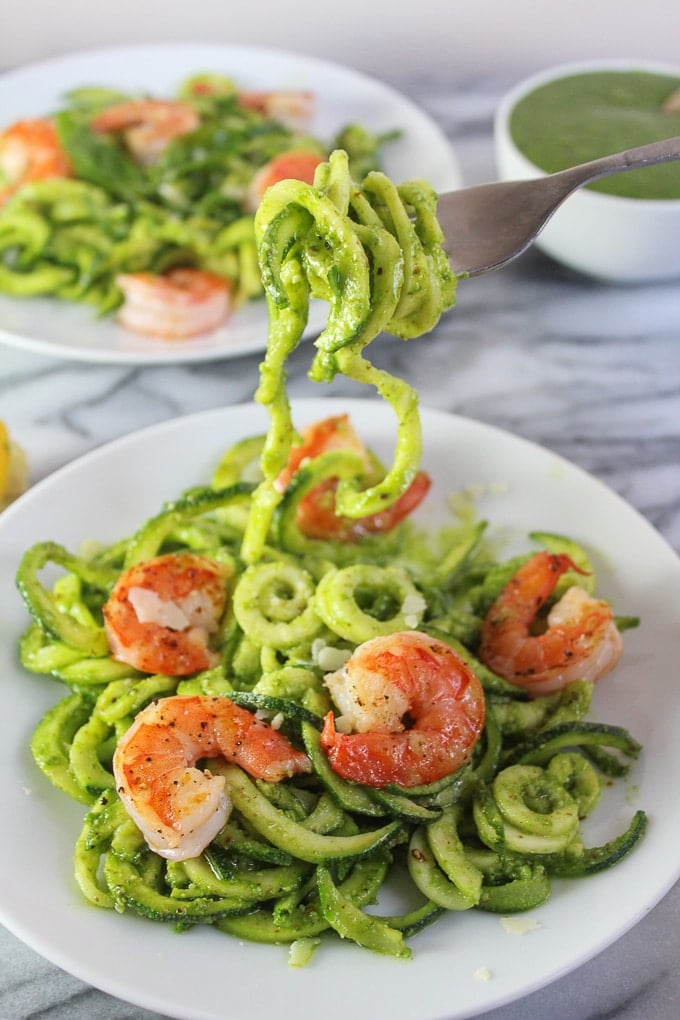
x=300 y=859
x=374 y=252
x=339 y=596
x=273 y=604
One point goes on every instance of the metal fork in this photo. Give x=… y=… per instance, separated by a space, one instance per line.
x=489 y=225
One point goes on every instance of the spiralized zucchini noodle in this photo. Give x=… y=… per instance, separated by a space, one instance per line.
x=271 y=601
x=69 y=231
x=374 y=253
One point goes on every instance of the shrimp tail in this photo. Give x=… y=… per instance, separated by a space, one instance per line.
x=356 y=756
x=258 y=748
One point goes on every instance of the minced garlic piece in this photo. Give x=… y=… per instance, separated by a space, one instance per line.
x=520 y=925
x=482 y=974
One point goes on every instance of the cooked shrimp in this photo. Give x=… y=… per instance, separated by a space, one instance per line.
x=30 y=151
x=334 y=433
x=180 y=303
x=147 y=126
x=293 y=108
x=316 y=515
x=296 y=164
x=180 y=808
x=162 y=612
x=414 y=707
x=580 y=641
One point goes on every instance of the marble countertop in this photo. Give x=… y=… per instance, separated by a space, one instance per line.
x=588 y=370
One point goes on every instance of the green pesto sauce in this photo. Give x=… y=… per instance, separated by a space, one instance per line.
x=585 y=116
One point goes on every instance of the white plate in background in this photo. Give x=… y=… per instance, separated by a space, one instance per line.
x=70 y=330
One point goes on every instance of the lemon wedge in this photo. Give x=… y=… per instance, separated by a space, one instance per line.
x=4 y=457
x=13 y=468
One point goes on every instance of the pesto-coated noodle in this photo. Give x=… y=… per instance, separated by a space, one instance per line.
x=374 y=252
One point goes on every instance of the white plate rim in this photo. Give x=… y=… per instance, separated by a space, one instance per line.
x=613 y=523
x=428 y=154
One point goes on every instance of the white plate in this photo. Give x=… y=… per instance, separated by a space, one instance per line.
x=343 y=96
x=203 y=975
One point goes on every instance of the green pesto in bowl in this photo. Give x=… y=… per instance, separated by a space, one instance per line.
x=583 y=116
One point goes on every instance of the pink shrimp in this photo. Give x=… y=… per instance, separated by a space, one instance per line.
x=415 y=708
x=178 y=807
x=294 y=164
x=292 y=107
x=147 y=126
x=316 y=515
x=30 y=151
x=162 y=612
x=580 y=640
x=181 y=303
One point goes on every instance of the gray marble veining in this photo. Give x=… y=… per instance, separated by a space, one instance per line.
x=588 y=370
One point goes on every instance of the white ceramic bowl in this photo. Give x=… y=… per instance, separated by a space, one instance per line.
x=622 y=240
